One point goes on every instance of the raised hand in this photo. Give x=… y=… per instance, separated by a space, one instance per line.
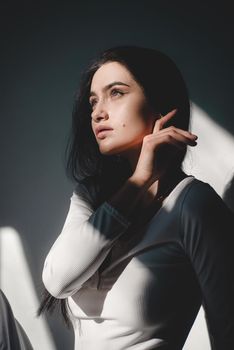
x=160 y=148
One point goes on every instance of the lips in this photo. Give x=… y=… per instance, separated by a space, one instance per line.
x=100 y=130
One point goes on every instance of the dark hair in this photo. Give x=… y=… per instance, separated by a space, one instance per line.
x=98 y=176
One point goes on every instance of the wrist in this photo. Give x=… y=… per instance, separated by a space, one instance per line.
x=139 y=182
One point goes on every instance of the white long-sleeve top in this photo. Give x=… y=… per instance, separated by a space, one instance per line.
x=149 y=295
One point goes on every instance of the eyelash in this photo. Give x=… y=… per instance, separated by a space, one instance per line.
x=93 y=101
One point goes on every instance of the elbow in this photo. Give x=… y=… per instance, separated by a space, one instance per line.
x=56 y=285
x=53 y=286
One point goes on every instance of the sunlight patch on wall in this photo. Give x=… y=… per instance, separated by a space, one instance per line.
x=17 y=285
x=198 y=337
x=212 y=159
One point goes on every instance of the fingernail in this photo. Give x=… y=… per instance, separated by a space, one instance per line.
x=193 y=135
x=192 y=144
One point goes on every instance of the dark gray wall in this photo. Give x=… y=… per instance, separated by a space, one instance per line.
x=44 y=47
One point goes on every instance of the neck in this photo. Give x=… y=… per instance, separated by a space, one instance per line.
x=165 y=184
x=160 y=189
x=168 y=182
x=132 y=156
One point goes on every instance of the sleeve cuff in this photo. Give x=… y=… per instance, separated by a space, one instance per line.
x=116 y=214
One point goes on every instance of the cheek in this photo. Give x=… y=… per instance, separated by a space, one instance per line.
x=135 y=122
x=136 y=116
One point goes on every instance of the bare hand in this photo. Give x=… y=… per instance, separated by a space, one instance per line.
x=159 y=149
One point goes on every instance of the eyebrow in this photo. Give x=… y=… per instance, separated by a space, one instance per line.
x=107 y=87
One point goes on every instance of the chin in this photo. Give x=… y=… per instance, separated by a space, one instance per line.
x=108 y=152
x=121 y=149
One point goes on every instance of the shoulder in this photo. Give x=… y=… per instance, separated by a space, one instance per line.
x=201 y=201
x=199 y=194
x=87 y=189
x=192 y=195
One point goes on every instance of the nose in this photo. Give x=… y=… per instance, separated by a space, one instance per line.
x=99 y=114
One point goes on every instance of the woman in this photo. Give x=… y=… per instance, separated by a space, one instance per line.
x=144 y=244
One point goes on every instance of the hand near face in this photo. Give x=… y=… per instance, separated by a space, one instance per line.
x=160 y=148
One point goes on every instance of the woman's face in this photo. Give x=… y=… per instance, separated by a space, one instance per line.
x=120 y=115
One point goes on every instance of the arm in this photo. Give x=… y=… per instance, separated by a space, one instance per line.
x=208 y=229
x=83 y=244
x=88 y=236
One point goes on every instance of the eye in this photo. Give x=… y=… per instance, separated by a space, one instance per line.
x=93 y=102
x=116 y=92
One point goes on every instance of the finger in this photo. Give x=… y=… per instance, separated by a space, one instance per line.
x=172 y=137
x=167 y=141
x=163 y=120
x=172 y=130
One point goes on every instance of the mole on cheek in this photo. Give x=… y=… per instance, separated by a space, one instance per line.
x=123 y=125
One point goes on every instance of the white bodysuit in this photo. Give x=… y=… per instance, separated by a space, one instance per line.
x=149 y=295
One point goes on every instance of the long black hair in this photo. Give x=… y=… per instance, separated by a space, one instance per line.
x=97 y=176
